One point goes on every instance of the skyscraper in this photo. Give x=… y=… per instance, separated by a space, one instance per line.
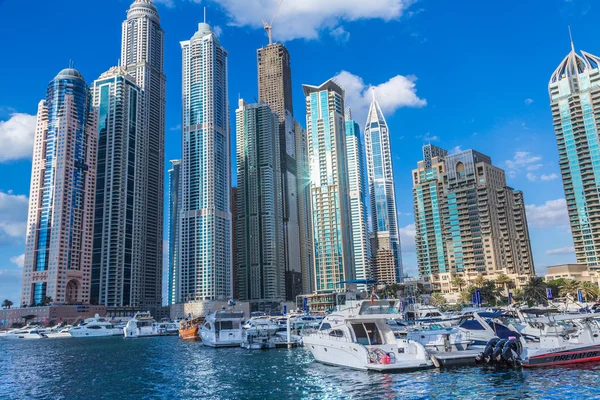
x=259 y=224
x=468 y=222
x=385 y=240
x=174 y=217
x=358 y=206
x=119 y=223
x=304 y=212
x=574 y=96
x=142 y=49
x=58 y=250
x=275 y=89
x=330 y=205
x=205 y=230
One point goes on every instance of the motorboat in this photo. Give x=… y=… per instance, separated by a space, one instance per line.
x=435 y=337
x=95 y=327
x=26 y=333
x=357 y=336
x=189 y=329
x=168 y=328
x=260 y=326
x=59 y=332
x=141 y=325
x=565 y=339
x=307 y=322
x=481 y=327
x=223 y=328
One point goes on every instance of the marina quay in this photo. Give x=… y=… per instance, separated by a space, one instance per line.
x=299 y=199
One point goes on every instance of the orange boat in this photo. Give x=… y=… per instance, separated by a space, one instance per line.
x=188 y=330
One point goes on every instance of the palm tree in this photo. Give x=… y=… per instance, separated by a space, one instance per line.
x=466 y=296
x=480 y=281
x=590 y=291
x=458 y=281
x=505 y=281
x=437 y=299
x=569 y=288
x=535 y=289
x=7 y=304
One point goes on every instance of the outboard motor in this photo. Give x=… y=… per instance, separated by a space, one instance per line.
x=511 y=353
x=497 y=353
x=486 y=354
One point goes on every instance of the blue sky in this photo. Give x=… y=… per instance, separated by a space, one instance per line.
x=458 y=74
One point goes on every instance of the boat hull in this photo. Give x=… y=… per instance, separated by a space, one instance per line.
x=570 y=356
x=190 y=333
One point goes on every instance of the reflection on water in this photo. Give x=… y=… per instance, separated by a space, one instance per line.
x=168 y=368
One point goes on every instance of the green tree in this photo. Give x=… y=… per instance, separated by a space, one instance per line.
x=480 y=281
x=437 y=299
x=458 y=281
x=535 y=290
x=555 y=286
x=46 y=300
x=569 y=288
x=7 y=304
x=590 y=291
x=518 y=295
x=505 y=281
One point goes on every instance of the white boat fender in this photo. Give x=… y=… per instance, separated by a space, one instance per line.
x=434 y=360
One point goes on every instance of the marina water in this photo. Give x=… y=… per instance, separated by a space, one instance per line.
x=169 y=368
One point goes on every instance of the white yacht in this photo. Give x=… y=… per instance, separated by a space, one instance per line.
x=260 y=326
x=59 y=332
x=141 y=325
x=435 y=337
x=26 y=333
x=95 y=327
x=223 y=328
x=481 y=327
x=357 y=336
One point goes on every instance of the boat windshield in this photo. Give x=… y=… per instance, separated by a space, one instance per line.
x=367 y=333
x=230 y=314
x=377 y=308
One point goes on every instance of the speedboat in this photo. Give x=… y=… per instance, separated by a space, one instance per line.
x=481 y=327
x=434 y=337
x=26 y=333
x=260 y=327
x=59 y=332
x=168 y=328
x=95 y=327
x=223 y=328
x=357 y=336
x=141 y=325
x=307 y=322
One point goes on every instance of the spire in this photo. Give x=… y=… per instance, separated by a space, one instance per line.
x=571 y=37
x=205 y=15
x=373 y=92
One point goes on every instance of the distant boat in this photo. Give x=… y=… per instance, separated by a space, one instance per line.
x=189 y=330
x=26 y=333
x=141 y=325
x=223 y=328
x=95 y=327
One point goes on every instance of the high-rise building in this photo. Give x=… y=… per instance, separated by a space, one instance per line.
x=259 y=215
x=205 y=230
x=119 y=223
x=142 y=49
x=174 y=217
x=58 y=250
x=574 y=95
x=468 y=222
x=358 y=204
x=304 y=213
x=275 y=90
x=385 y=237
x=330 y=204
x=234 y=249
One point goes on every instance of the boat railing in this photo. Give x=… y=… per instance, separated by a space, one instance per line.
x=344 y=337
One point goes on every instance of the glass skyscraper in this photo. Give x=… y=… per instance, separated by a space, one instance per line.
x=259 y=216
x=385 y=240
x=574 y=97
x=121 y=184
x=205 y=235
x=331 y=217
x=174 y=216
x=358 y=202
x=58 y=250
x=142 y=50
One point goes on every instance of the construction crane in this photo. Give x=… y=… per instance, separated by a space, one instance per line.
x=269 y=27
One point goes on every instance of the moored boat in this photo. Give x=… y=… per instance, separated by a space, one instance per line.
x=95 y=327
x=141 y=325
x=189 y=330
x=222 y=328
x=26 y=333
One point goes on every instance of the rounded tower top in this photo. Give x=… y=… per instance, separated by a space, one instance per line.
x=69 y=73
x=203 y=30
x=140 y=8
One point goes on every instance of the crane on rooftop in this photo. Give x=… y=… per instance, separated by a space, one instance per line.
x=269 y=27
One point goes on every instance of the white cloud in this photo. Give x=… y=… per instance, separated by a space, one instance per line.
x=13 y=216
x=175 y=128
x=340 y=34
x=400 y=91
x=456 y=149
x=522 y=159
x=16 y=137
x=431 y=138
x=526 y=161
x=306 y=19
x=531 y=177
x=551 y=214
x=550 y=177
x=18 y=260
x=218 y=30
x=528 y=101
x=561 y=251
x=407 y=238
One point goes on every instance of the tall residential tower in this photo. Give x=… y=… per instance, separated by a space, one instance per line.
x=574 y=91
x=142 y=49
x=174 y=209
x=330 y=203
x=205 y=217
x=259 y=215
x=58 y=250
x=385 y=242
x=118 y=260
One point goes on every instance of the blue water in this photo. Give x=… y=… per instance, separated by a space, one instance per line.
x=169 y=368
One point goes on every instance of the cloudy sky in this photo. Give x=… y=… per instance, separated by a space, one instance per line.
x=458 y=74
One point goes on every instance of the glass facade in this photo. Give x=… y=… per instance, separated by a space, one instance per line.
x=174 y=220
